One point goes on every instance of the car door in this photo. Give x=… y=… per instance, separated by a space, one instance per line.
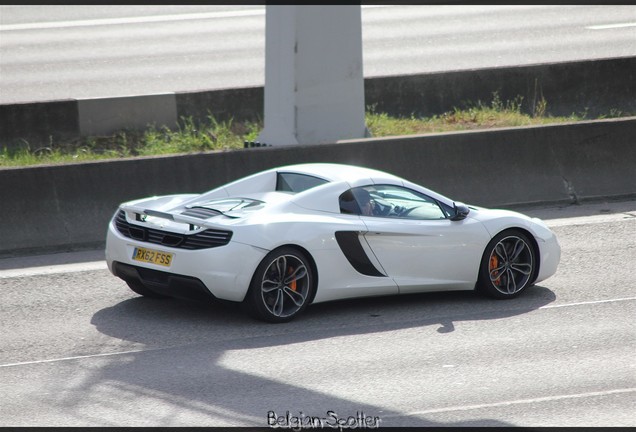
x=418 y=245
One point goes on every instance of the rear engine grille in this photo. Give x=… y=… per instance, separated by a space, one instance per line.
x=209 y=238
x=201 y=212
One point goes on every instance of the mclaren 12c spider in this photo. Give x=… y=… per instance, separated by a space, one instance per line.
x=279 y=240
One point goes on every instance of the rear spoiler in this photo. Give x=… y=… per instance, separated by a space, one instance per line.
x=179 y=218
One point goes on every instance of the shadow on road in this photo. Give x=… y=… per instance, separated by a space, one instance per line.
x=182 y=361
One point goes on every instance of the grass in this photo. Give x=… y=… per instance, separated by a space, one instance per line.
x=212 y=135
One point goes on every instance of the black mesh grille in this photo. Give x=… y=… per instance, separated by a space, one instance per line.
x=202 y=240
x=201 y=212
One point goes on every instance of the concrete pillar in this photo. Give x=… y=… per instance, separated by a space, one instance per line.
x=314 y=84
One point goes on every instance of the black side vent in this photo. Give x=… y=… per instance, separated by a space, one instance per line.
x=349 y=243
x=201 y=212
x=202 y=240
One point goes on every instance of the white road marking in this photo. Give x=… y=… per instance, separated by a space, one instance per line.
x=588 y=303
x=589 y=220
x=515 y=402
x=142 y=19
x=132 y=20
x=53 y=269
x=610 y=26
x=80 y=357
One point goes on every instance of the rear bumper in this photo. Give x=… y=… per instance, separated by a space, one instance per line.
x=224 y=272
x=164 y=283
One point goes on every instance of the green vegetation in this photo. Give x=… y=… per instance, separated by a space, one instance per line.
x=229 y=135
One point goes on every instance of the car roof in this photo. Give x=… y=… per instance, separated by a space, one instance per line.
x=339 y=177
x=334 y=172
x=342 y=177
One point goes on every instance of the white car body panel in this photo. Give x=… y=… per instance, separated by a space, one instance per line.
x=401 y=255
x=442 y=253
x=228 y=279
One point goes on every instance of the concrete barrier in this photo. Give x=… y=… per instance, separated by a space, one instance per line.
x=104 y=115
x=594 y=87
x=67 y=207
x=38 y=124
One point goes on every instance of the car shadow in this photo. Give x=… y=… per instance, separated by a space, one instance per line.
x=197 y=337
x=318 y=321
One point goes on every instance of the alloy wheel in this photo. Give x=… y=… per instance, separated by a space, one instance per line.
x=510 y=265
x=285 y=286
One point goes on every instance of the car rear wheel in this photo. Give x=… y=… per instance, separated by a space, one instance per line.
x=281 y=287
x=507 y=266
x=141 y=289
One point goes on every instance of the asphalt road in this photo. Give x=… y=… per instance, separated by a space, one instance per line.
x=77 y=348
x=50 y=52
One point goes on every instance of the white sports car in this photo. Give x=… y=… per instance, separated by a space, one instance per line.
x=284 y=238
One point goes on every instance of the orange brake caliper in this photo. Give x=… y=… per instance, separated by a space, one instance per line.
x=292 y=284
x=494 y=262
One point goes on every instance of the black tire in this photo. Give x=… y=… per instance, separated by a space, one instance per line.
x=282 y=286
x=508 y=265
x=142 y=290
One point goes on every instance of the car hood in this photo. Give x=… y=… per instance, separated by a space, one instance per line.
x=496 y=220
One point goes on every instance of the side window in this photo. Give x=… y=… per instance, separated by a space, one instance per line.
x=292 y=182
x=390 y=201
x=348 y=203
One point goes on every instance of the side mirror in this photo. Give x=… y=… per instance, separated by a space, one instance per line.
x=461 y=211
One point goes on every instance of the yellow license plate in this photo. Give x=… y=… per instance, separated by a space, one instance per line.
x=152 y=256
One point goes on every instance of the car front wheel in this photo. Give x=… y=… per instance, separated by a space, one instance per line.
x=281 y=287
x=507 y=266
